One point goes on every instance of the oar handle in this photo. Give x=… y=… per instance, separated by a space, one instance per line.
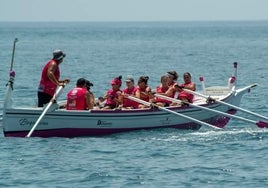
x=168 y=98
x=173 y=112
x=59 y=92
x=139 y=100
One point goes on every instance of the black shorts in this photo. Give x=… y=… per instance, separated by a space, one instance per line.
x=43 y=98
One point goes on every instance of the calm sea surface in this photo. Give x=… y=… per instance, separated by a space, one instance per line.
x=234 y=157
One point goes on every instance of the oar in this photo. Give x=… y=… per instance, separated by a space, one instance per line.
x=171 y=111
x=56 y=95
x=227 y=104
x=260 y=124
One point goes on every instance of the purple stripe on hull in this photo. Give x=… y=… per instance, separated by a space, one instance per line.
x=73 y=132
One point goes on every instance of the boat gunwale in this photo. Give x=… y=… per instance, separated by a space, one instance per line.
x=116 y=112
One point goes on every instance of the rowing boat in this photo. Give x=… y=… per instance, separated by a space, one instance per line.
x=212 y=107
x=58 y=122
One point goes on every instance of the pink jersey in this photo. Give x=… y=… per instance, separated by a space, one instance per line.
x=174 y=91
x=76 y=99
x=112 y=94
x=159 y=89
x=186 y=95
x=142 y=95
x=128 y=102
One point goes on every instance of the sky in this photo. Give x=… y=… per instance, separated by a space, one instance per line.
x=133 y=10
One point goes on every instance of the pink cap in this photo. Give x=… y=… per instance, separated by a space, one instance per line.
x=116 y=81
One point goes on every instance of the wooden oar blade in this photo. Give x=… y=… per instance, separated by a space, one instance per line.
x=262 y=124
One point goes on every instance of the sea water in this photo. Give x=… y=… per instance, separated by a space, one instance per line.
x=99 y=51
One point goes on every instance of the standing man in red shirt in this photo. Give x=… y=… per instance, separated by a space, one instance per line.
x=50 y=78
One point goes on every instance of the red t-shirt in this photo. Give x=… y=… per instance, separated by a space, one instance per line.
x=142 y=95
x=76 y=99
x=174 y=91
x=46 y=85
x=127 y=102
x=161 y=90
x=186 y=95
x=112 y=94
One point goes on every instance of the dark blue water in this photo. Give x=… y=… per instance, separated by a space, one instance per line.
x=233 y=157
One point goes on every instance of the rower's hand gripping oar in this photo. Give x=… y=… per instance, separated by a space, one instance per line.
x=55 y=97
x=260 y=124
x=171 y=111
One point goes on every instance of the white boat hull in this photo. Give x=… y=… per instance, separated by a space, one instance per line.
x=17 y=122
